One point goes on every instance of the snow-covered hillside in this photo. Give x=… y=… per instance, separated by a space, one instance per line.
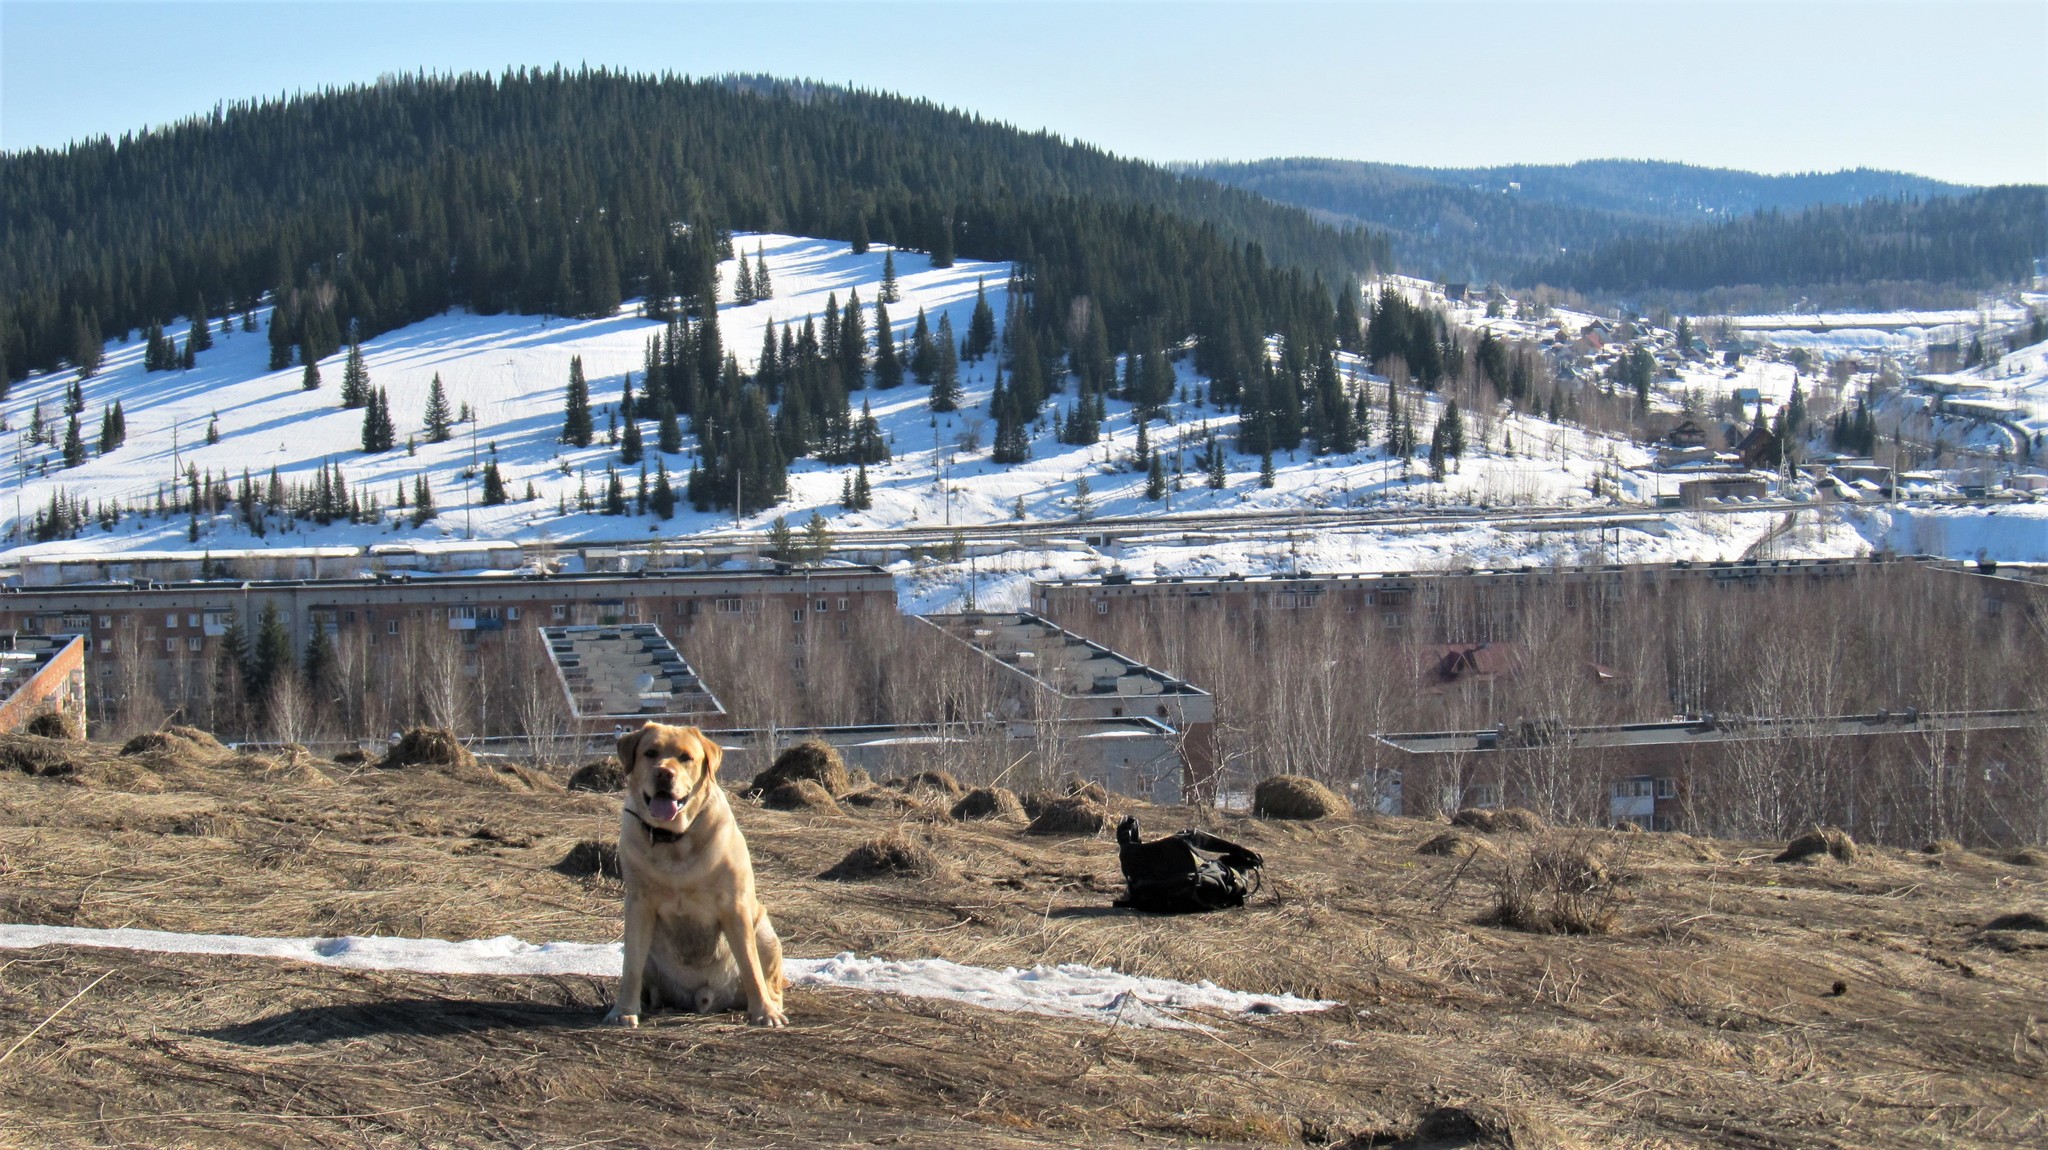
x=512 y=372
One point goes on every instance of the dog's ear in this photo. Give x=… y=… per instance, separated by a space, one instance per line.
x=629 y=745
x=714 y=755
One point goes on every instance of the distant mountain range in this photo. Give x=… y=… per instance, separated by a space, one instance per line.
x=1513 y=222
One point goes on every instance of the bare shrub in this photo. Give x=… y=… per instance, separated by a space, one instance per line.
x=1560 y=886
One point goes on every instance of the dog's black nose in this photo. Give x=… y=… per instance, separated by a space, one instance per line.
x=664 y=781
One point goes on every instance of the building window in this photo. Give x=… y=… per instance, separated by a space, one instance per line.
x=1102 y=606
x=170 y=646
x=821 y=607
x=1667 y=788
x=170 y=622
x=106 y=622
x=490 y=612
x=512 y=613
x=192 y=620
x=561 y=610
x=106 y=646
x=1394 y=619
x=727 y=606
x=842 y=603
x=391 y=628
x=797 y=616
x=193 y=643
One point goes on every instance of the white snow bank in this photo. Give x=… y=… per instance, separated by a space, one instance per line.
x=1067 y=991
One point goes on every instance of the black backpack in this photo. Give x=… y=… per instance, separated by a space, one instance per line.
x=1187 y=873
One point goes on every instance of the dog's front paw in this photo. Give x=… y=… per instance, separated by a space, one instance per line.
x=616 y=1019
x=767 y=1016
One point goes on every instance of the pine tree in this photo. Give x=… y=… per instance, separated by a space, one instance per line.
x=74 y=445
x=924 y=359
x=888 y=367
x=309 y=380
x=1083 y=507
x=494 y=485
x=1219 y=475
x=863 y=495
x=422 y=500
x=743 y=284
x=1155 y=481
x=762 y=288
x=1143 y=459
x=817 y=538
x=662 y=500
x=630 y=449
x=437 y=417
x=355 y=379
x=891 y=291
x=577 y=430
x=981 y=328
x=780 y=539
x=1266 y=473
x=853 y=342
x=615 y=490
x=942 y=243
x=1454 y=431
x=108 y=440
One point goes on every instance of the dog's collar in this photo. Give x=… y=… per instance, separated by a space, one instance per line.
x=655 y=834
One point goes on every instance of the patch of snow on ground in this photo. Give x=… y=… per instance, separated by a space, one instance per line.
x=1067 y=991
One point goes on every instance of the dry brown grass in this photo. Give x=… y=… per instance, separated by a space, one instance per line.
x=1707 y=1015
x=1498 y=820
x=1458 y=845
x=602 y=776
x=1820 y=843
x=886 y=856
x=800 y=795
x=1069 y=816
x=813 y=759
x=1297 y=797
x=53 y=725
x=427 y=746
x=1559 y=885
x=989 y=803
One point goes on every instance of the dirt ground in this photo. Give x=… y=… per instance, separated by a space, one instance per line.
x=1736 y=1001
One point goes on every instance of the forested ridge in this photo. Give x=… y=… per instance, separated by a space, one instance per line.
x=368 y=208
x=1985 y=239
x=1608 y=226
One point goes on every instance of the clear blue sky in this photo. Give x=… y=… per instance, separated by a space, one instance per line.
x=1957 y=91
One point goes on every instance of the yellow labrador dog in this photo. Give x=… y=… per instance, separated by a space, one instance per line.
x=696 y=937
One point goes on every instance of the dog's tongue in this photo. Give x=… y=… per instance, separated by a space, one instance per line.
x=663 y=809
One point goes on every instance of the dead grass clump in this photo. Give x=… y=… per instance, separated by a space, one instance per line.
x=1087 y=789
x=2022 y=920
x=1069 y=816
x=800 y=795
x=602 y=776
x=891 y=855
x=1557 y=887
x=353 y=757
x=55 y=725
x=1457 y=844
x=590 y=857
x=35 y=755
x=1496 y=820
x=989 y=803
x=813 y=759
x=878 y=798
x=941 y=781
x=1942 y=847
x=428 y=746
x=1297 y=797
x=292 y=767
x=2028 y=856
x=1833 y=842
